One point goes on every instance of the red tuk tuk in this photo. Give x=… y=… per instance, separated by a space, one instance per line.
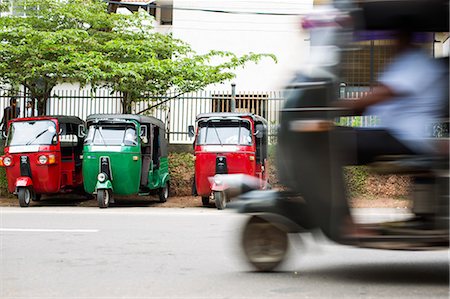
x=228 y=143
x=43 y=156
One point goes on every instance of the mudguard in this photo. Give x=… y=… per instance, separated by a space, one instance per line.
x=218 y=183
x=165 y=179
x=24 y=181
x=287 y=211
x=105 y=185
x=234 y=184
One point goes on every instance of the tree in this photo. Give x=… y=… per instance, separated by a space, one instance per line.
x=53 y=41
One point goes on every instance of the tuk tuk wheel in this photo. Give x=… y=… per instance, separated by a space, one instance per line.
x=205 y=200
x=264 y=244
x=36 y=197
x=220 y=199
x=104 y=197
x=24 y=195
x=163 y=192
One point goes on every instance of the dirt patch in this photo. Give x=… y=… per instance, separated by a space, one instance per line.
x=182 y=202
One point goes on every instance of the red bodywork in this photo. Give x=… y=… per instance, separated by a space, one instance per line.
x=240 y=159
x=58 y=176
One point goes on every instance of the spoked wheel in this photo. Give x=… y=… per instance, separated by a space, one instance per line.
x=24 y=195
x=265 y=245
x=163 y=193
x=104 y=197
x=220 y=200
x=205 y=200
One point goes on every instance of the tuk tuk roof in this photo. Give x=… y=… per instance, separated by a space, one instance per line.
x=420 y=15
x=61 y=119
x=139 y=118
x=231 y=115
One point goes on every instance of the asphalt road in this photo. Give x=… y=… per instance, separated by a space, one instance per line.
x=67 y=252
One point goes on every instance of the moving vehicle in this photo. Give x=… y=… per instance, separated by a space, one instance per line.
x=228 y=143
x=125 y=154
x=310 y=155
x=43 y=156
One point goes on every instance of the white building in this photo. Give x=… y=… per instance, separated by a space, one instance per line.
x=244 y=26
x=241 y=27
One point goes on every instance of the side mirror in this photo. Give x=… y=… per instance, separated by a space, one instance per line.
x=191 y=131
x=143 y=132
x=81 y=131
x=259 y=130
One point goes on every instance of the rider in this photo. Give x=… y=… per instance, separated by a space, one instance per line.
x=407 y=101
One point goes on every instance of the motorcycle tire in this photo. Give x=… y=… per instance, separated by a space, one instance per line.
x=104 y=197
x=24 y=195
x=264 y=244
x=220 y=200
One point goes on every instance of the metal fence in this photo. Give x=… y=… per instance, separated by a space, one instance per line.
x=178 y=112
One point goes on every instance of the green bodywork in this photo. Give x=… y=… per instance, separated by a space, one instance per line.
x=126 y=165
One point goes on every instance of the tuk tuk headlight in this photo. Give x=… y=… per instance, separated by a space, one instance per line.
x=7 y=161
x=43 y=159
x=102 y=177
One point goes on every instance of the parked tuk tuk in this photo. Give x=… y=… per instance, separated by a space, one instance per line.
x=228 y=143
x=125 y=154
x=43 y=156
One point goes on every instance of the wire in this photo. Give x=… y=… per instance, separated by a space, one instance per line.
x=151 y=5
x=237 y=29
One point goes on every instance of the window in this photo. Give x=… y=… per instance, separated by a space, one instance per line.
x=162 y=11
x=41 y=132
x=226 y=132
x=111 y=134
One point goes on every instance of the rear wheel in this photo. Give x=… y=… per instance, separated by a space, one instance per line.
x=205 y=200
x=36 y=197
x=220 y=199
x=264 y=244
x=24 y=195
x=104 y=197
x=163 y=193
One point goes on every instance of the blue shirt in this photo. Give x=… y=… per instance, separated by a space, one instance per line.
x=418 y=82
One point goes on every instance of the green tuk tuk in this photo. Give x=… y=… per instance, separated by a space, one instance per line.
x=125 y=154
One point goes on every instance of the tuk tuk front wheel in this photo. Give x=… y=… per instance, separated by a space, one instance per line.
x=104 y=197
x=205 y=200
x=265 y=245
x=24 y=195
x=163 y=192
x=220 y=199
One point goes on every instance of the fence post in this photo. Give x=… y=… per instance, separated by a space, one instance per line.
x=233 y=97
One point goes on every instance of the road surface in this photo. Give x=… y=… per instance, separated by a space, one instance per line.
x=70 y=252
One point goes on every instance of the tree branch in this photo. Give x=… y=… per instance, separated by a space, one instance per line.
x=160 y=103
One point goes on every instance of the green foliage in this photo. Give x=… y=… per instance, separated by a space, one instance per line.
x=181 y=169
x=3 y=183
x=356 y=178
x=79 y=41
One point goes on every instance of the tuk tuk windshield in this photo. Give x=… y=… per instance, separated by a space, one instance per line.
x=224 y=132
x=40 y=132
x=111 y=134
